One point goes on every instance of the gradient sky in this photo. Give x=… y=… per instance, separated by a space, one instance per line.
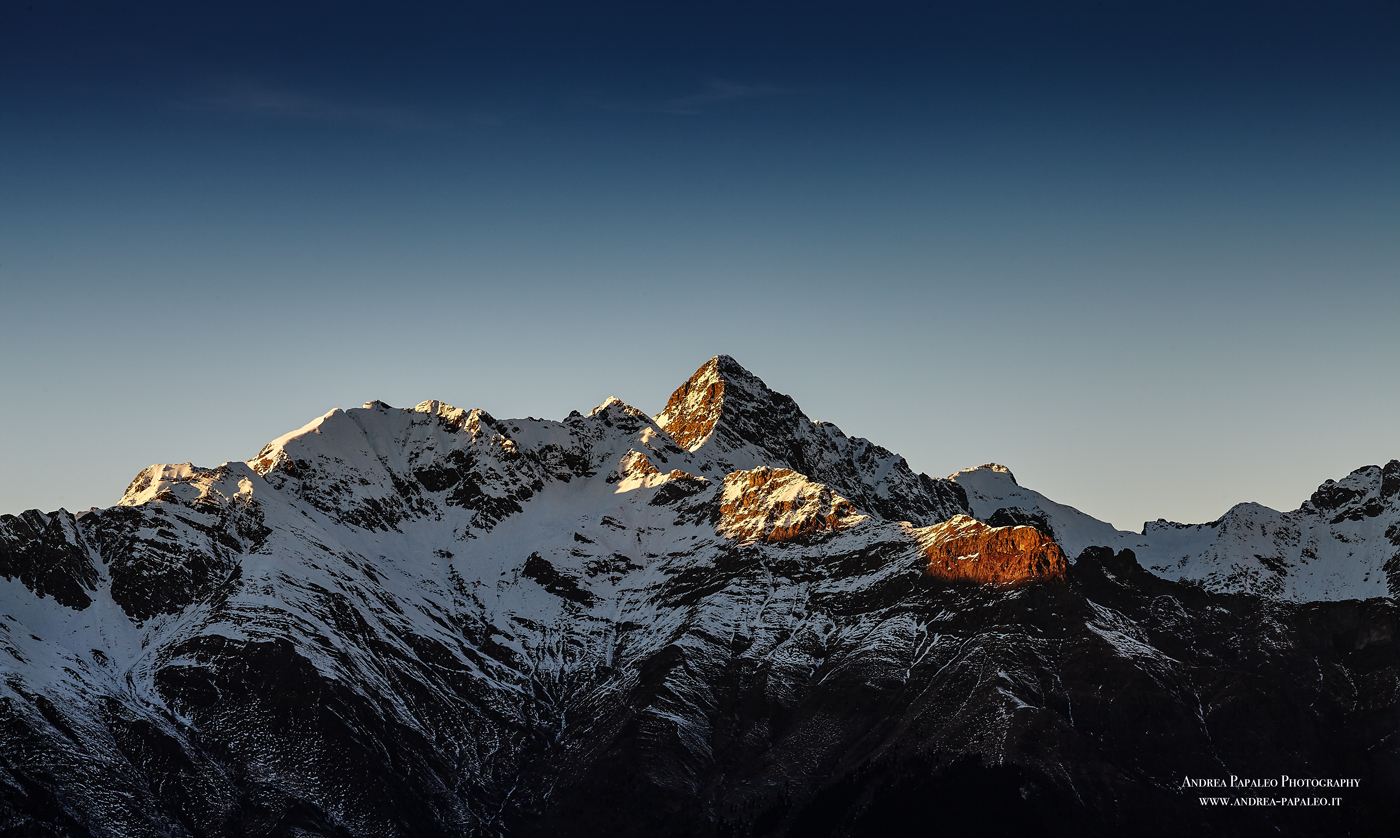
x=1146 y=255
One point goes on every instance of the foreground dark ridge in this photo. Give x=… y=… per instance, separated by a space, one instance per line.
x=727 y=621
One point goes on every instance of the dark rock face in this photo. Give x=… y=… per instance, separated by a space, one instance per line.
x=1014 y=516
x=1068 y=708
x=555 y=582
x=1330 y=496
x=163 y=558
x=1358 y=502
x=1038 y=713
x=1390 y=479
x=47 y=554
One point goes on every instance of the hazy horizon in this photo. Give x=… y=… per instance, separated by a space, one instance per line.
x=1147 y=258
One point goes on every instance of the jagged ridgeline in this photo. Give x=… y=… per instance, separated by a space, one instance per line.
x=727 y=620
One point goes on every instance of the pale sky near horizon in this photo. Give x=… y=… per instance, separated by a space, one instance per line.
x=1147 y=258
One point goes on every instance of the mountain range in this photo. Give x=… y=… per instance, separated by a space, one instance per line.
x=724 y=620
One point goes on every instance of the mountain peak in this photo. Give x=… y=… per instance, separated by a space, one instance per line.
x=613 y=404
x=730 y=416
x=732 y=421
x=694 y=409
x=993 y=468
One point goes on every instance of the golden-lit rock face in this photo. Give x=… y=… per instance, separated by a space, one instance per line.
x=778 y=504
x=695 y=406
x=965 y=549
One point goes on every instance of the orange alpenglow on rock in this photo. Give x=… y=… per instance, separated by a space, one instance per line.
x=778 y=504
x=965 y=549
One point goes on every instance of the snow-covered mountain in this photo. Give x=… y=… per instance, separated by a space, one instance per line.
x=1342 y=543
x=727 y=620
x=995 y=497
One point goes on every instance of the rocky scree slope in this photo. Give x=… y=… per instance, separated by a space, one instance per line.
x=727 y=621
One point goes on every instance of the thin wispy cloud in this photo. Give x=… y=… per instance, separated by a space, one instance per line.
x=720 y=92
x=716 y=93
x=250 y=99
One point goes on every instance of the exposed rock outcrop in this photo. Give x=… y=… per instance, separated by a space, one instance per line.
x=48 y=555
x=778 y=504
x=967 y=550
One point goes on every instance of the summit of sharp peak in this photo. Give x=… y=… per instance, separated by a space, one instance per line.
x=730 y=420
x=696 y=408
x=605 y=404
x=725 y=366
x=725 y=408
x=613 y=404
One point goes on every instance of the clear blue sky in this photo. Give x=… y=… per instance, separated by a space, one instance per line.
x=1147 y=255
